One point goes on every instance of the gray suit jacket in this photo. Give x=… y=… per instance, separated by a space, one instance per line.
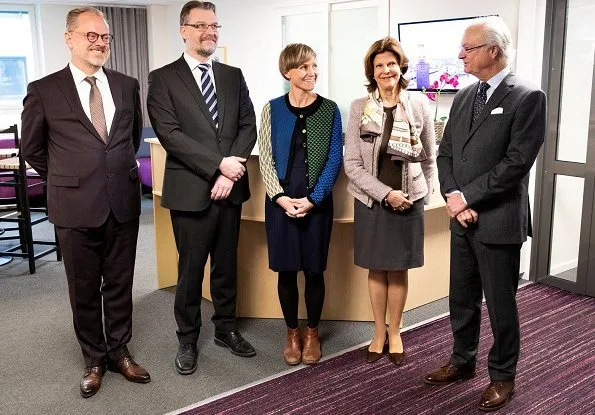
x=490 y=162
x=186 y=130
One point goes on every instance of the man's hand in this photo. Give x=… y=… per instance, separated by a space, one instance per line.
x=221 y=188
x=467 y=216
x=455 y=204
x=288 y=204
x=303 y=206
x=232 y=167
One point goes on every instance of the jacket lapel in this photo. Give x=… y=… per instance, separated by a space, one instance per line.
x=115 y=86
x=72 y=96
x=221 y=92
x=187 y=78
x=497 y=96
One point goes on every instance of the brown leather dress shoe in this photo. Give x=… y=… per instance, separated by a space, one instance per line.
x=311 y=352
x=449 y=373
x=91 y=381
x=292 y=354
x=131 y=370
x=496 y=395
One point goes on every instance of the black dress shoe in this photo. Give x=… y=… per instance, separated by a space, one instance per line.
x=186 y=358
x=91 y=381
x=397 y=358
x=497 y=395
x=235 y=343
x=449 y=373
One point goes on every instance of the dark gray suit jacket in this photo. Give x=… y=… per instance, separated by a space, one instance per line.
x=87 y=178
x=490 y=163
x=186 y=130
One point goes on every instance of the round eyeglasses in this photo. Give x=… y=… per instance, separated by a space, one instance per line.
x=92 y=37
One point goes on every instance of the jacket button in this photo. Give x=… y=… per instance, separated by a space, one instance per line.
x=463 y=159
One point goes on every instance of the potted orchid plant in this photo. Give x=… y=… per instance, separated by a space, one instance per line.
x=434 y=95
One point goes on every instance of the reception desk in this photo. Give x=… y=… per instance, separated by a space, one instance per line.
x=346 y=284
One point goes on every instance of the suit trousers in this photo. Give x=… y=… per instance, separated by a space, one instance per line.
x=99 y=264
x=495 y=268
x=211 y=232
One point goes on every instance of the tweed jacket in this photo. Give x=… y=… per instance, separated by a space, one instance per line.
x=324 y=147
x=361 y=157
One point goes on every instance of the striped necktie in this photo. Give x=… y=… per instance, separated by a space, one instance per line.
x=208 y=91
x=480 y=101
x=96 y=106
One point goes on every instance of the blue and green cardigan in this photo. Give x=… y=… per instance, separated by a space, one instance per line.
x=324 y=147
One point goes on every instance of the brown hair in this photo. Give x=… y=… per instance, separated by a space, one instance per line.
x=73 y=16
x=387 y=44
x=193 y=4
x=294 y=55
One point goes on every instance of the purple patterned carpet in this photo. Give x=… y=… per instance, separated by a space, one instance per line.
x=556 y=373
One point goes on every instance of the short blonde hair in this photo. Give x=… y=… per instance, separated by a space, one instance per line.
x=294 y=55
x=387 y=44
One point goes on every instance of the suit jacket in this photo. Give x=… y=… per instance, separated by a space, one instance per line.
x=86 y=177
x=490 y=162
x=186 y=130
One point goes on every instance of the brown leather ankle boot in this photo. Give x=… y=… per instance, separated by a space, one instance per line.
x=311 y=352
x=292 y=354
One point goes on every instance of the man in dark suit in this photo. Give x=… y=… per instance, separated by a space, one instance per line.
x=81 y=128
x=203 y=116
x=492 y=138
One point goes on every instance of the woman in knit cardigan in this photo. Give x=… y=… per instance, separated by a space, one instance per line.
x=390 y=162
x=300 y=148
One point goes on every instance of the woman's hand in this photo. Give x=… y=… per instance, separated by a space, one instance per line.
x=303 y=206
x=289 y=205
x=398 y=200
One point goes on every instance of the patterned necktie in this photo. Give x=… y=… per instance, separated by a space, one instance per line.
x=96 y=105
x=208 y=91
x=480 y=101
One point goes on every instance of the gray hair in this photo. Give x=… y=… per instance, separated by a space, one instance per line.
x=73 y=16
x=496 y=33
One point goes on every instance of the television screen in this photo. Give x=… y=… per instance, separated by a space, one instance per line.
x=432 y=47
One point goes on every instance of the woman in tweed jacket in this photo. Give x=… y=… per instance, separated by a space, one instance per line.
x=300 y=148
x=390 y=162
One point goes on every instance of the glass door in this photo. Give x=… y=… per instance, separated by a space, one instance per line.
x=564 y=244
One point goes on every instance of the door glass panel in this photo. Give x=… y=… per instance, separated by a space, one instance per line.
x=576 y=81
x=566 y=227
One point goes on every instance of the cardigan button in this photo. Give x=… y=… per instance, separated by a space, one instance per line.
x=301 y=115
x=304 y=131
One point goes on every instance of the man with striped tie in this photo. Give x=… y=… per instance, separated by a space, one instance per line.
x=203 y=116
x=81 y=128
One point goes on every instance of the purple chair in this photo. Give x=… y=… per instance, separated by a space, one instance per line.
x=7 y=194
x=143 y=159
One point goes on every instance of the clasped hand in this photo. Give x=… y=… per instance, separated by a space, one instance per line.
x=295 y=208
x=222 y=188
x=232 y=167
x=398 y=200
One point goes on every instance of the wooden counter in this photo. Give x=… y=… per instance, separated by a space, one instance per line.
x=346 y=284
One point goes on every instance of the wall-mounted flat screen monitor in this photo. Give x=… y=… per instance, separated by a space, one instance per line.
x=432 y=47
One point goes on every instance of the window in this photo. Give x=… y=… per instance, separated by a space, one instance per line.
x=18 y=63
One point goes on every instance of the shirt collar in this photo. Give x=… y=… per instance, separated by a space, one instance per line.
x=79 y=76
x=495 y=80
x=193 y=63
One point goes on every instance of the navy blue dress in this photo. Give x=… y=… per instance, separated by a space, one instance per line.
x=299 y=244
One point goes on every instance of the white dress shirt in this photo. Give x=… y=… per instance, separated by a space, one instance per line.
x=84 y=90
x=196 y=72
x=495 y=81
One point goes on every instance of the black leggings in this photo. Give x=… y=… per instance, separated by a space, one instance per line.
x=289 y=297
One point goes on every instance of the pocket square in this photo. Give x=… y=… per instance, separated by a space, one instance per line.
x=498 y=110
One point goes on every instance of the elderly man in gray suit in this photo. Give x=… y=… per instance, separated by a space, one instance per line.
x=494 y=134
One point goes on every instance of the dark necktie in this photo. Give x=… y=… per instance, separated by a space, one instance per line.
x=96 y=105
x=208 y=91
x=480 y=101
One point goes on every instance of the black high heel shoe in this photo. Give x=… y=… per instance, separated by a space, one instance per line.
x=371 y=357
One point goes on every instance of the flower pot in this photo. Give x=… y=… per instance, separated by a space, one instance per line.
x=439 y=130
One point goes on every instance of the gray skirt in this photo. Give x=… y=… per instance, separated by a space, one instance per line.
x=388 y=240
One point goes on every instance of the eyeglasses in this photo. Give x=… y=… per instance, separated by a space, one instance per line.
x=92 y=37
x=203 y=27
x=467 y=50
